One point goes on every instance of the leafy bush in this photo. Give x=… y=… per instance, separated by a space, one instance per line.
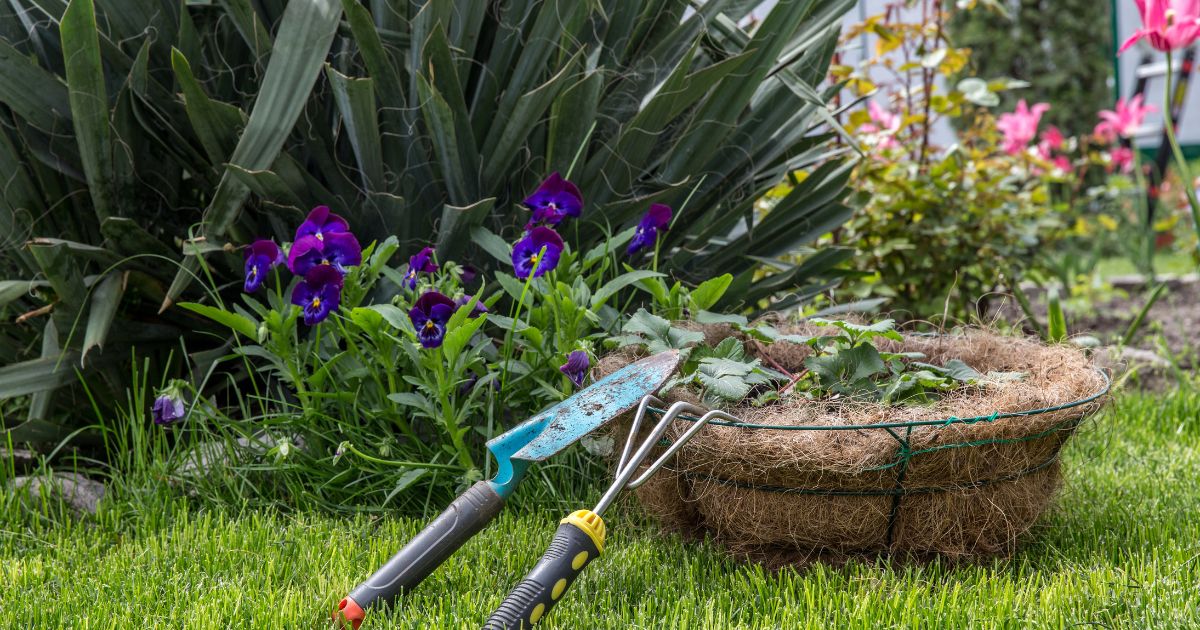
x=144 y=143
x=942 y=229
x=361 y=368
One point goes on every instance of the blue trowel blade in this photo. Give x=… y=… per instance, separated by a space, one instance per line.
x=561 y=425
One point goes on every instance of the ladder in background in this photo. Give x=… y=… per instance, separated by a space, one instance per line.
x=1150 y=69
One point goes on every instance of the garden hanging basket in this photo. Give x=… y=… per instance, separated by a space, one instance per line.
x=801 y=480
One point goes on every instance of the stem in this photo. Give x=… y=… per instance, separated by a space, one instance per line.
x=1184 y=172
x=349 y=448
x=516 y=316
x=449 y=418
x=1143 y=208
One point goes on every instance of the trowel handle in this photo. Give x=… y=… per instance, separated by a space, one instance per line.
x=429 y=549
x=578 y=541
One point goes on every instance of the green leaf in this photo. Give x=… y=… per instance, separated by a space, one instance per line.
x=33 y=93
x=492 y=244
x=846 y=367
x=37 y=375
x=710 y=291
x=709 y=317
x=455 y=222
x=394 y=316
x=215 y=124
x=883 y=328
x=355 y=100
x=657 y=334
x=235 y=322
x=89 y=102
x=13 y=289
x=611 y=287
x=458 y=337
x=960 y=371
x=1056 y=327
x=106 y=297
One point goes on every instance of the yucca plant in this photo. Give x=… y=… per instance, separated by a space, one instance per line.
x=143 y=140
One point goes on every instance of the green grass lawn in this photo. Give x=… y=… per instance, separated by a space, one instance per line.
x=1121 y=550
x=1174 y=263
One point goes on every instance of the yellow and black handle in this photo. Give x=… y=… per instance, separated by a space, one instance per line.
x=578 y=541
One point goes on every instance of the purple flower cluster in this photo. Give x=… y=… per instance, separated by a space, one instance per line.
x=323 y=250
x=540 y=247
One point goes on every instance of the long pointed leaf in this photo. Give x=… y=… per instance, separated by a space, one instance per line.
x=89 y=102
x=305 y=33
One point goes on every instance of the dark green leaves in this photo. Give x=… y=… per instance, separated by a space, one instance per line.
x=89 y=102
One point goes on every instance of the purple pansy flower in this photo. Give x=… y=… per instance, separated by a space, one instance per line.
x=261 y=256
x=656 y=220
x=421 y=262
x=168 y=407
x=429 y=316
x=320 y=294
x=320 y=223
x=479 y=309
x=339 y=250
x=576 y=367
x=468 y=274
x=527 y=257
x=554 y=200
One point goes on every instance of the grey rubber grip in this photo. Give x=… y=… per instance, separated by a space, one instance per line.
x=429 y=549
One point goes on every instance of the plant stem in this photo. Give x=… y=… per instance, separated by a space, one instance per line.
x=1143 y=206
x=1189 y=186
x=516 y=316
x=389 y=462
x=449 y=418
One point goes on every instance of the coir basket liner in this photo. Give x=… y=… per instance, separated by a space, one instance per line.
x=798 y=480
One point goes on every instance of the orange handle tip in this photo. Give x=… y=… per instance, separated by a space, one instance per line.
x=348 y=610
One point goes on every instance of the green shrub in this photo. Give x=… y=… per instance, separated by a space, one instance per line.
x=144 y=142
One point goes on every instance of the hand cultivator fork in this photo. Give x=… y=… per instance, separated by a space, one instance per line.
x=532 y=441
x=580 y=536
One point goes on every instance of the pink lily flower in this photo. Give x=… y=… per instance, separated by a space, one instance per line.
x=1020 y=127
x=1124 y=120
x=883 y=122
x=1168 y=24
x=1121 y=159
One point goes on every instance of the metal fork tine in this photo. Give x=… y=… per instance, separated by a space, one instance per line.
x=633 y=429
x=678 y=444
x=627 y=465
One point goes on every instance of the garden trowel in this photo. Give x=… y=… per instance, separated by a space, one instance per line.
x=534 y=440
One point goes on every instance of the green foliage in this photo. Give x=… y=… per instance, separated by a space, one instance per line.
x=151 y=139
x=944 y=230
x=848 y=363
x=723 y=374
x=947 y=237
x=356 y=411
x=1062 y=48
